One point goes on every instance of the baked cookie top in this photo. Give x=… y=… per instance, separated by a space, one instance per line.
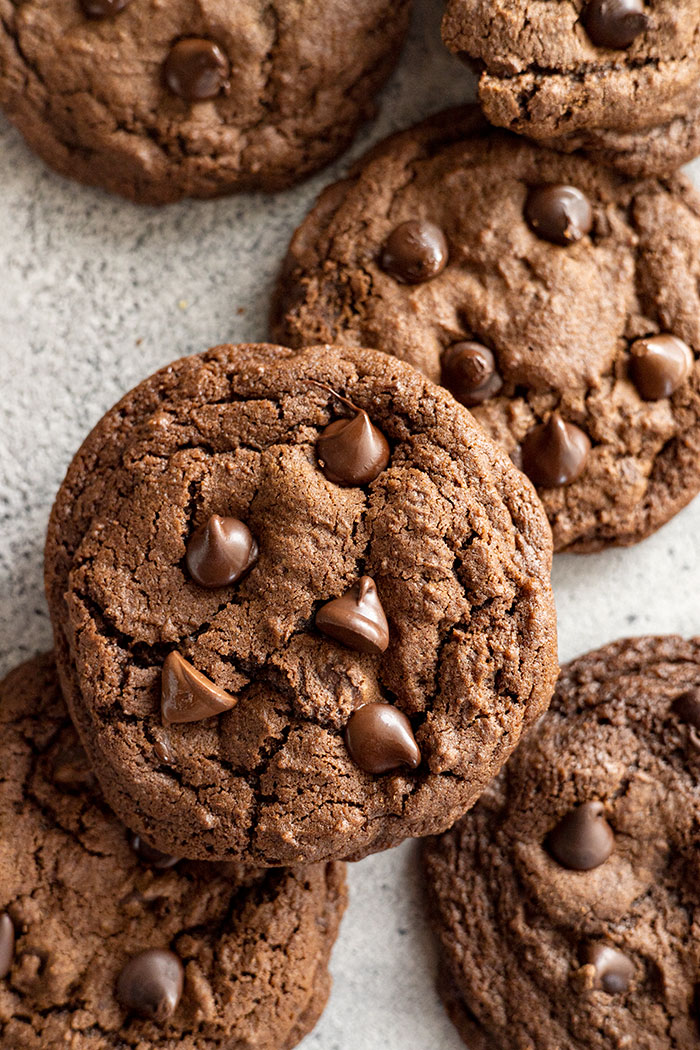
x=452 y=234
x=158 y=101
x=554 y=69
x=107 y=943
x=567 y=902
x=377 y=552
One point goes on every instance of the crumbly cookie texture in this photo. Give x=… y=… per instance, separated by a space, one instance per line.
x=158 y=101
x=424 y=591
x=558 y=319
x=541 y=953
x=542 y=74
x=246 y=952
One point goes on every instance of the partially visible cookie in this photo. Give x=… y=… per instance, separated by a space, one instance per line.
x=557 y=300
x=567 y=903
x=302 y=605
x=618 y=78
x=107 y=944
x=158 y=101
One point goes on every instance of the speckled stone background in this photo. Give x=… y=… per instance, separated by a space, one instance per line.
x=95 y=295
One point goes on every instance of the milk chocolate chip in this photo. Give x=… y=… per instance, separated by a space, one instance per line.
x=196 y=69
x=560 y=214
x=687 y=707
x=582 y=839
x=220 y=552
x=554 y=453
x=102 y=8
x=7 y=944
x=469 y=373
x=151 y=856
x=613 y=970
x=150 y=984
x=614 y=23
x=352 y=451
x=356 y=619
x=379 y=739
x=414 y=252
x=659 y=364
x=189 y=696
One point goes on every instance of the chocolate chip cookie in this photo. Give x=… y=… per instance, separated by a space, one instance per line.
x=302 y=605
x=557 y=300
x=617 y=78
x=158 y=101
x=106 y=942
x=567 y=902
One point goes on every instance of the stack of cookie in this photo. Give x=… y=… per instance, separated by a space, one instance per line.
x=301 y=593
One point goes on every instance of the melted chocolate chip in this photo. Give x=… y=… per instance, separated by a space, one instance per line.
x=189 y=696
x=554 y=453
x=414 y=252
x=71 y=770
x=356 y=619
x=150 y=984
x=687 y=707
x=102 y=8
x=196 y=69
x=220 y=552
x=469 y=373
x=560 y=214
x=613 y=970
x=7 y=944
x=151 y=856
x=614 y=23
x=352 y=451
x=164 y=750
x=659 y=364
x=582 y=839
x=379 y=739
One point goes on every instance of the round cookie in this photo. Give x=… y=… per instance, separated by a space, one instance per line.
x=222 y=720
x=567 y=902
x=158 y=101
x=557 y=300
x=105 y=943
x=617 y=78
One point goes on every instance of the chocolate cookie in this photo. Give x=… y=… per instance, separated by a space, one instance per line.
x=557 y=300
x=567 y=902
x=158 y=101
x=256 y=543
x=618 y=78
x=107 y=943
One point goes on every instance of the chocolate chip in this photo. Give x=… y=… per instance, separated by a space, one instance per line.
x=469 y=373
x=189 y=696
x=151 y=856
x=560 y=214
x=582 y=839
x=356 y=619
x=687 y=707
x=220 y=552
x=196 y=69
x=659 y=364
x=71 y=770
x=7 y=944
x=554 y=453
x=613 y=970
x=103 y=8
x=352 y=451
x=414 y=252
x=614 y=23
x=150 y=984
x=164 y=750
x=379 y=739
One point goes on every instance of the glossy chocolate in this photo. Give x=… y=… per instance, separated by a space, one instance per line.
x=613 y=969
x=189 y=696
x=379 y=739
x=356 y=619
x=7 y=944
x=687 y=707
x=150 y=985
x=352 y=451
x=196 y=69
x=469 y=373
x=582 y=839
x=414 y=252
x=554 y=453
x=103 y=8
x=151 y=856
x=660 y=364
x=615 y=24
x=220 y=552
x=559 y=214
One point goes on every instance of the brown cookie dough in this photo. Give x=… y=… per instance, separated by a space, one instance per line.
x=619 y=79
x=158 y=101
x=559 y=321
x=219 y=719
x=237 y=960
x=567 y=902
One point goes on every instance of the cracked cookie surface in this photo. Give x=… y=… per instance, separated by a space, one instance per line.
x=559 y=321
x=452 y=535
x=254 y=945
x=91 y=95
x=541 y=75
x=540 y=955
